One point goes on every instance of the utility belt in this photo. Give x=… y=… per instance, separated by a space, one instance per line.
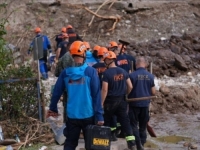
x=115 y=98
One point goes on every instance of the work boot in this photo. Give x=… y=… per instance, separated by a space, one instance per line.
x=113 y=136
x=131 y=145
x=139 y=145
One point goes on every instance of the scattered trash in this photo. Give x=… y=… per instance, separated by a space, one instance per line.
x=17 y=138
x=9 y=147
x=43 y=148
x=58 y=132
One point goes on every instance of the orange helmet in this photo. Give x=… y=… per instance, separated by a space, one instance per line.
x=69 y=27
x=77 y=48
x=96 y=47
x=87 y=44
x=64 y=30
x=37 y=30
x=109 y=55
x=65 y=35
x=102 y=51
x=113 y=44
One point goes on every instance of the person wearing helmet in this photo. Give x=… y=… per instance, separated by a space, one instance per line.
x=90 y=60
x=130 y=58
x=72 y=35
x=116 y=84
x=95 y=52
x=84 y=99
x=59 y=37
x=100 y=66
x=46 y=48
x=62 y=47
x=121 y=60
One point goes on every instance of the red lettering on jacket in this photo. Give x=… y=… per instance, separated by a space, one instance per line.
x=122 y=62
x=79 y=81
x=118 y=77
x=101 y=69
x=72 y=35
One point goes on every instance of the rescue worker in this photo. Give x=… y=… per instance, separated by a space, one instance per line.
x=100 y=66
x=90 y=60
x=116 y=84
x=62 y=47
x=46 y=48
x=72 y=35
x=95 y=52
x=130 y=58
x=84 y=99
x=121 y=60
x=59 y=37
x=64 y=62
x=143 y=86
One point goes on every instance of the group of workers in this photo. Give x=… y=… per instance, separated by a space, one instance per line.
x=95 y=83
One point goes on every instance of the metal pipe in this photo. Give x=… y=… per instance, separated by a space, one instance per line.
x=140 y=98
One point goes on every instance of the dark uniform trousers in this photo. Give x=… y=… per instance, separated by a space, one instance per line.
x=73 y=130
x=117 y=106
x=139 y=115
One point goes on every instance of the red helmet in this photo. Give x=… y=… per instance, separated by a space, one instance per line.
x=37 y=30
x=113 y=44
x=77 y=48
x=64 y=30
x=96 y=47
x=69 y=27
x=109 y=55
x=102 y=51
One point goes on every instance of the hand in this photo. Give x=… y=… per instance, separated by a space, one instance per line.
x=56 y=60
x=100 y=123
x=51 y=113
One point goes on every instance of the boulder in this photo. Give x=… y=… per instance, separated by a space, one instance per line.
x=180 y=63
x=165 y=54
x=175 y=48
x=196 y=47
x=164 y=90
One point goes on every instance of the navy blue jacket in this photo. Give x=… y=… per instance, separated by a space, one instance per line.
x=142 y=82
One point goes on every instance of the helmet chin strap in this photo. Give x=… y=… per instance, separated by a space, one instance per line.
x=107 y=65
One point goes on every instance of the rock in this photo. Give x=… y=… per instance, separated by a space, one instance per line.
x=176 y=49
x=180 y=63
x=72 y=16
x=189 y=73
x=186 y=58
x=108 y=34
x=193 y=146
x=188 y=104
x=153 y=53
x=66 y=20
x=196 y=47
x=127 y=21
x=164 y=90
x=165 y=54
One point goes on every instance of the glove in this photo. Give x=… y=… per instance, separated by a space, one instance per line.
x=51 y=113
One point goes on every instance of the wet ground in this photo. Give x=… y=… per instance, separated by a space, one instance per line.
x=173 y=130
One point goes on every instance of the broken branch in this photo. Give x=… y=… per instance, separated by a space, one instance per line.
x=115 y=18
